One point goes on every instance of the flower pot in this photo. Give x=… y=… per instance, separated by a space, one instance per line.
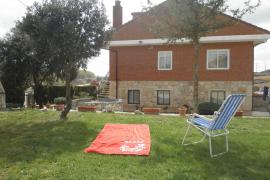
x=182 y=111
x=238 y=114
x=59 y=107
x=48 y=106
x=155 y=111
x=87 y=108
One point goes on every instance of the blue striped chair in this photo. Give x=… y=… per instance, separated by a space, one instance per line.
x=218 y=125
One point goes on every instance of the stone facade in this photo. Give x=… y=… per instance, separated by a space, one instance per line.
x=180 y=92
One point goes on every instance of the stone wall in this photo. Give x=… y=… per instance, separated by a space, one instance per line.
x=259 y=104
x=180 y=92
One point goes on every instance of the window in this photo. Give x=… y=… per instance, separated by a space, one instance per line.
x=218 y=59
x=165 y=60
x=133 y=96
x=163 y=97
x=217 y=97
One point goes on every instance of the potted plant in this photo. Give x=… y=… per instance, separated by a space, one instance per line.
x=87 y=108
x=59 y=103
x=183 y=110
x=151 y=110
x=239 y=113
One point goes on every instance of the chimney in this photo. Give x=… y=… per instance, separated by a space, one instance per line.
x=136 y=14
x=117 y=14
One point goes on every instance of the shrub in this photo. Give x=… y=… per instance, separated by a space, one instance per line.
x=91 y=90
x=53 y=92
x=207 y=108
x=60 y=100
x=83 y=94
x=256 y=88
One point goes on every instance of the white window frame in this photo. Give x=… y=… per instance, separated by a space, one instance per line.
x=128 y=96
x=217 y=50
x=217 y=90
x=163 y=96
x=165 y=69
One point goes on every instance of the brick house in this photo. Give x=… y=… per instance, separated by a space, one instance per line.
x=147 y=72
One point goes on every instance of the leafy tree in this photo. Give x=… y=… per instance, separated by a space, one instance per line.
x=28 y=60
x=193 y=19
x=73 y=31
x=13 y=68
x=82 y=74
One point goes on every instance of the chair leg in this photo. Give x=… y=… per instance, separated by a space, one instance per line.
x=211 y=149
x=183 y=141
x=227 y=143
x=210 y=146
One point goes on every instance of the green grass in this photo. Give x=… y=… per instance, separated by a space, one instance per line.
x=35 y=145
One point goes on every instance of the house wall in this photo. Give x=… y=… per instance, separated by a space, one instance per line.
x=180 y=92
x=137 y=69
x=139 y=63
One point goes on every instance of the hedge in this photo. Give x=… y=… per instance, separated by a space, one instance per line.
x=89 y=89
x=52 y=92
x=207 y=108
x=60 y=100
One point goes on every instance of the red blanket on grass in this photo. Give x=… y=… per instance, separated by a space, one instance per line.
x=128 y=139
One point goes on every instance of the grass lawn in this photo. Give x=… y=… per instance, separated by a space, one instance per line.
x=35 y=145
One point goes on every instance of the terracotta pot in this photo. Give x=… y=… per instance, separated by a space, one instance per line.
x=182 y=111
x=59 y=107
x=155 y=111
x=239 y=114
x=87 y=108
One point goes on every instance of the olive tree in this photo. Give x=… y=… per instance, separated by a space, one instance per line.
x=73 y=31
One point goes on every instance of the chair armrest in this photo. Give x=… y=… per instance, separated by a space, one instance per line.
x=200 y=116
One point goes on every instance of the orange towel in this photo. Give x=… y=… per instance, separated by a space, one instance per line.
x=127 y=139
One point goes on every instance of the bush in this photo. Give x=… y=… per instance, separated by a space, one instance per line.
x=53 y=92
x=207 y=108
x=256 y=88
x=60 y=100
x=14 y=105
x=83 y=94
x=91 y=90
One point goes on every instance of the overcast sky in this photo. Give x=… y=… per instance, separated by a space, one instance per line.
x=13 y=10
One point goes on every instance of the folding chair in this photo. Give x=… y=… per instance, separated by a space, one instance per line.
x=218 y=125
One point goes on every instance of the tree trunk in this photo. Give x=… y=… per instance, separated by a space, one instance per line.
x=196 y=66
x=64 y=113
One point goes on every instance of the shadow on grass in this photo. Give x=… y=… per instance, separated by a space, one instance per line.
x=241 y=162
x=42 y=140
x=238 y=163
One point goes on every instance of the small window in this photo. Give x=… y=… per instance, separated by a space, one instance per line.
x=218 y=59
x=165 y=60
x=133 y=96
x=163 y=97
x=217 y=97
